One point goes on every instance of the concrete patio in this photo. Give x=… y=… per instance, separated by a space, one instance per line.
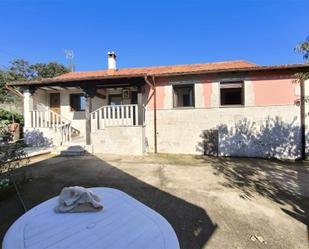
x=210 y=202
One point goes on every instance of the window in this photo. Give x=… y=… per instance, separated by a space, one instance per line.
x=115 y=99
x=77 y=102
x=183 y=95
x=231 y=93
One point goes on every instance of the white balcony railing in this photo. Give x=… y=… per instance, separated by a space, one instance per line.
x=52 y=120
x=117 y=115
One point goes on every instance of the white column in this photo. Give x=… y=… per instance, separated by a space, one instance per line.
x=249 y=93
x=168 y=97
x=28 y=106
x=199 y=95
x=215 y=94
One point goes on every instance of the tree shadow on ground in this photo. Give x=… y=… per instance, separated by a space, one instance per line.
x=272 y=138
x=286 y=183
x=191 y=223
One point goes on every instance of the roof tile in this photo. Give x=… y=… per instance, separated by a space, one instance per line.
x=159 y=70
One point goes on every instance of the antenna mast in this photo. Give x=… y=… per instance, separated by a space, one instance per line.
x=69 y=55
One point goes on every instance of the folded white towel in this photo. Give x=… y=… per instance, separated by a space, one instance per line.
x=78 y=199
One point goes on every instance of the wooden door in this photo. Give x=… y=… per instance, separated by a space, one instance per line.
x=54 y=102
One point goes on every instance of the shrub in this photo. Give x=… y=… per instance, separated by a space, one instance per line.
x=8 y=117
x=12 y=156
x=11 y=117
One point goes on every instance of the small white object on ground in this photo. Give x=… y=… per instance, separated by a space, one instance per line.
x=124 y=223
x=258 y=238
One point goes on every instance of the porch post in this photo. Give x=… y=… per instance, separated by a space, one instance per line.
x=28 y=106
x=88 y=118
x=89 y=94
x=140 y=107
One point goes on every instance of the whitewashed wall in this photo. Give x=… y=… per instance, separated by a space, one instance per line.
x=250 y=131
x=129 y=140
x=41 y=137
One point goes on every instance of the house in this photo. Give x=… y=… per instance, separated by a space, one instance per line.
x=233 y=108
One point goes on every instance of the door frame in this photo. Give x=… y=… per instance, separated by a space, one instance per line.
x=50 y=104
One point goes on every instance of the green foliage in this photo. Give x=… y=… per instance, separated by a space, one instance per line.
x=11 y=116
x=49 y=70
x=4 y=129
x=303 y=48
x=5 y=96
x=8 y=117
x=4 y=183
x=22 y=70
x=12 y=156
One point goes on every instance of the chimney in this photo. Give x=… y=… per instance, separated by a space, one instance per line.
x=111 y=61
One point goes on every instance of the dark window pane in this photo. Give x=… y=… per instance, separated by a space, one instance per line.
x=77 y=102
x=231 y=96
x=183 y=96
x=115 y=99
x=134 y=97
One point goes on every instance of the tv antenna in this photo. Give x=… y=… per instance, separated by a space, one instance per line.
x=69 y=55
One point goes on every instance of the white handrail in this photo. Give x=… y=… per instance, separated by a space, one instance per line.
x=51 y=119
x=114 y=115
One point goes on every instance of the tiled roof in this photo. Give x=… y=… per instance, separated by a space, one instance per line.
x=161 y=70
x=216 y=67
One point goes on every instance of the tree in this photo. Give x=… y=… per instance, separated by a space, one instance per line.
x=49 y=70
x=301 y=78
x=303 y=48
x=22 y=70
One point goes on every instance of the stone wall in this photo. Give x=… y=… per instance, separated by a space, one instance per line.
x=126 y=140
x=252 y=131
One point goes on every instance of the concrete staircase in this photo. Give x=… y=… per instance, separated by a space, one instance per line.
x=69 y=150
x=76 y=147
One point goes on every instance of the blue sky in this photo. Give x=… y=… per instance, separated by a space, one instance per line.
x=150 y=33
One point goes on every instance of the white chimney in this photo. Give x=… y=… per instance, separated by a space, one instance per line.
x=111 y=60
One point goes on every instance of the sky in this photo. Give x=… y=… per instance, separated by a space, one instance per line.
x=154 y=32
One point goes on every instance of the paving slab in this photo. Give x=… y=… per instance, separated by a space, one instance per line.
x=210 y=202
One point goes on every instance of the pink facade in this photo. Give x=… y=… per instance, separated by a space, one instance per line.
x=160 y=92
x=207 y=89
x=266 y=90
x=274 y=91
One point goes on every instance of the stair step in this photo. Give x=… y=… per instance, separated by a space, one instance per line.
x=70 y=150
x=78 y=139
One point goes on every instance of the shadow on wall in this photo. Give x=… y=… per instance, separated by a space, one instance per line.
x=81 y=115
x=273 y=138
x=36 y=138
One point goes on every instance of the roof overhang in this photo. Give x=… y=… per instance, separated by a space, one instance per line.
x=91 y=81
x=129 y=79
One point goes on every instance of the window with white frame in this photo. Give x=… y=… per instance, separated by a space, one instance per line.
x=183 y=95
x=231 y=93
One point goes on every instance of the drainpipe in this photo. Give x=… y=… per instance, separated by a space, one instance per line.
x=153 y=87
x=302 y=120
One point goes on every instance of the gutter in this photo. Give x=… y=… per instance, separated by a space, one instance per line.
x=153 y=87
x=14 y=91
